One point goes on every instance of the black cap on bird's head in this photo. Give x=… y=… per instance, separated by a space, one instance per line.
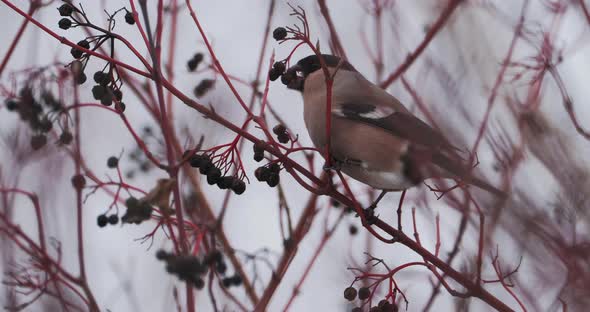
x=295 y=76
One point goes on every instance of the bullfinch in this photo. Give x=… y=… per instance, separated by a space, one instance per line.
x=373 y=138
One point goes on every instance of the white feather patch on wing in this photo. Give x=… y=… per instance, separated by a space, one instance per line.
x=377 y=113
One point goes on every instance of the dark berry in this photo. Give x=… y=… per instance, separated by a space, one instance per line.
x=203 y=87
x=227 y=282
x=118 y=94
x=205 y=167
x=350 y=293
x=38 y=141
x=279 y=129
x=261 y=174
x=356 y=309
x=213 y=175
x=236 y=280
x=274 y=167
x=279 y=33
x=102 y=220
x=107 y=98
x=162 y=255
x=274 y=74
x=221 y=267
x=225 y=182
x=65 y=10
x=279 y=66
x=65 y=23
x=353 y=230
x=273 y=179
x=81 y=78
x=192 y=65
x=238 y=186
x=197 y=161
x=258 y=157
x=66 y=138
x=213 y=257
x=132 y=202
x=45 y=125
x=283 y=138
x=98 y=91
x=198 y=283
x=78 y=181
x=84 y=44
x=76 y=53
x=129 y=19
x=375 y=309
x=258 y=147
x=101 y=78
x=364 y=293
x=11 y=104
x=120 y=107
x=113 y=219
x=385 y=306
x=112 y=162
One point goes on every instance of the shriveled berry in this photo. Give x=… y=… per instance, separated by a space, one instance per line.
x=66 y=138
x=198 y=283
x=238 y=186
x=364 y=293
x=65 y=10
x=375 y=309
x=279 y=66
x=112 y=162
x=279 y=129
x=38 y=141
x=113 y=219
x=356 y=309
x=236 y=280
x=279 y=33
x=192 y=64
x=78 y=181
x=102 y=220
x=107 y=98
x=350 y=293
x=258 y=147
x=287 y=77
x=76 y=53
x=129 y=19
x=98 y=91
x=84 y=44
x=273 y=179
x=283 y=138
x=65 y=23
x=386 y=306
x=353 y=230
x=227 y=282
x=205 y=167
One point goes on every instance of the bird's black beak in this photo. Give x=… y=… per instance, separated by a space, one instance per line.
x=293 y=78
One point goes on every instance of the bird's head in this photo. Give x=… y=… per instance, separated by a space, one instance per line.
x=295 y=76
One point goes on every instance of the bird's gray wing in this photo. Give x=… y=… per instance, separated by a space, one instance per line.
x=400 y=124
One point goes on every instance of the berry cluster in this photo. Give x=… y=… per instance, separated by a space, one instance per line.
x=203 y=87
x=214 y=175
x=350 y=294
x=186 y=267
x=106 y=90
x=268 y=174
x=32 y=111
x=66 y=10
x=137 y=211
x=276 y=71
x=281 y=132
x=194 y=62
x=102 y=220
